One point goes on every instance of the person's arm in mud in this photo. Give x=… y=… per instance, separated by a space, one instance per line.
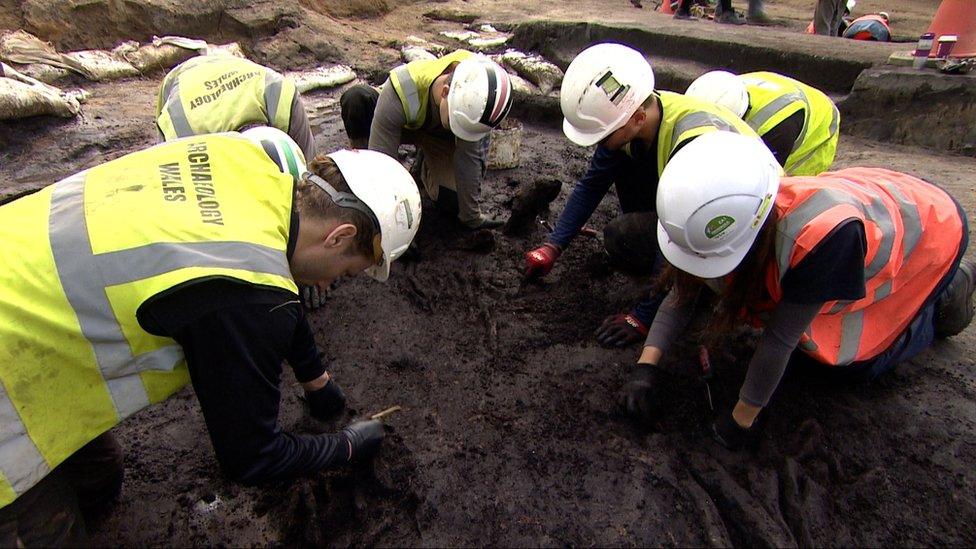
x=235 y=338
x=670 y=321
x=832 y=271
x=386 y=130
x=586 y=196
x=299 y=129
x=641 y=395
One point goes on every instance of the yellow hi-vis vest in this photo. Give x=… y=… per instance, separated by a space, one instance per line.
x=222 y=93
x=773 y=98
x=683 y=118
x=412 y=84
x=81 y=256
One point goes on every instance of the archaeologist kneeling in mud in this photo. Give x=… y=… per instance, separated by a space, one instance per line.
x=799 y=124
x=608 y=100
x=212 y=94
x=172 y=265
x=854 y=270
x=446 y=107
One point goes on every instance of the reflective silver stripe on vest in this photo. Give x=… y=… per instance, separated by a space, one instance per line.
x=20 y=461
x=838 y=307
x=808 y=344
x=789 y=227
x=74 y=260
x=834 y=120
x=698 y=119
x=410 y=93
x=272 y=93
x=133 y=264
x=851 y=327
x=883 y=291
x=177 y=116
x=764 y=114
x=910 y=219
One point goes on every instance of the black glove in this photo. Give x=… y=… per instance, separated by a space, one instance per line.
x=620 y=330
x=364 y=438
x=639 y=396
x=728 y=433
x=325 y=402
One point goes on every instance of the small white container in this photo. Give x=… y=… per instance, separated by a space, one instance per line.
x=506 y=144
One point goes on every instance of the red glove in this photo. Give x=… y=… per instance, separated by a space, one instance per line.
x=540 y=261
x=620 y=330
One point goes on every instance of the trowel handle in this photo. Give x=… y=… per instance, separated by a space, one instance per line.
x=705 y=361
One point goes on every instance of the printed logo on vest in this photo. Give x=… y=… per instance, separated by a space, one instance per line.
x=718 y=226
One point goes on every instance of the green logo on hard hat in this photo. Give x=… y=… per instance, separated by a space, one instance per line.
x=718 y=225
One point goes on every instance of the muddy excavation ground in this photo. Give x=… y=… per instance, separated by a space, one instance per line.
x=509 y=433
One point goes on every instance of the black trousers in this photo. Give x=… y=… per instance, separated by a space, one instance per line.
x=51 y=513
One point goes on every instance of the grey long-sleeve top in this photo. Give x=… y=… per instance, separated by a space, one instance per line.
x=834 y=270
x=386 y=135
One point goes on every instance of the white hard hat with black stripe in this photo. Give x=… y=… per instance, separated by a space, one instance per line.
x=479 y=98
x=280 y=147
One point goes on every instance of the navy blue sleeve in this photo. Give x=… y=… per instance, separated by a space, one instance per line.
x=235 y=337
x=833 y=271
x=586 y=196
x=234 y=356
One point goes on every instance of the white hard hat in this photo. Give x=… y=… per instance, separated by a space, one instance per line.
x=710 y=212
x=280 y=147
x=602 y=88
x=851 y=4
x=479 y=98
x=721 y=88
x=388 y=192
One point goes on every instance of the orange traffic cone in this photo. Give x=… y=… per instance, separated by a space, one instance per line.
x=956 y=17
x=666 y=8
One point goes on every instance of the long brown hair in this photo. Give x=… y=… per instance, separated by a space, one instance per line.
x=745 y=287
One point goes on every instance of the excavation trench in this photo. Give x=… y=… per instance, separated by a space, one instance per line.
x=509 y=432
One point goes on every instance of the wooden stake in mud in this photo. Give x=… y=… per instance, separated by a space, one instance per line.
x=384 y=413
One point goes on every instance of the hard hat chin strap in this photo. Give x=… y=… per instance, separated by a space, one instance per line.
x=343 y=199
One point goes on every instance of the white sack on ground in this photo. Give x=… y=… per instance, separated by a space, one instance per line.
x=152 y=57
x=22 y=96
x=101 y=65
x=535 y=69
x=322 y=77
x=415 y=53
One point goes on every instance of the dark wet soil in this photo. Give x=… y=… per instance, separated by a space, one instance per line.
x=509 y=433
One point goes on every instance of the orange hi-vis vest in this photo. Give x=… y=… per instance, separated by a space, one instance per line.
x=869 y=27
x=913 y=231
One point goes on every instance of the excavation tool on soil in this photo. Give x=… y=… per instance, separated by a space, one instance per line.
x=706 y=374
x=384 y=413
